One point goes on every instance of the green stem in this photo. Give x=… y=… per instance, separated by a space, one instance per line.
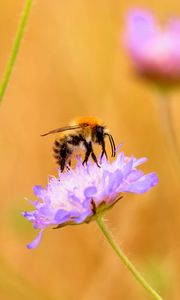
x=15 y=48
x=125 y=260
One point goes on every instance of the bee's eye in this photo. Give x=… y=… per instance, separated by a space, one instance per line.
x=99 y=132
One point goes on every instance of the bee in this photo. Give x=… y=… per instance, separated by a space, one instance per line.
x=82 y=133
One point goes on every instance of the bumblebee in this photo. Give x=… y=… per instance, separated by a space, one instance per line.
x=82 y=133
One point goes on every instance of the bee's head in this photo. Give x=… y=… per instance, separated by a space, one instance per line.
x=98 y=133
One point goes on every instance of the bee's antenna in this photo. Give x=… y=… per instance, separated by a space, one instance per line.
x=112 y=143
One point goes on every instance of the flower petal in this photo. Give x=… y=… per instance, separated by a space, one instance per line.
x=62 y=216
x=114 y=180
x=36 y=241
x=141 y=26
x=38 y=190
x=90 y=191
x=142 y=185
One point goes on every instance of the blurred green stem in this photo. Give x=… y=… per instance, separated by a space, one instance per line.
x=15 y=48
x=165 y=115
x=125 y=260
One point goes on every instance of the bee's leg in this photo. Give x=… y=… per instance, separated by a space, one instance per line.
x=103 y=150
x=62 y=164
x=66 y=153
x=88 y=147
x=63 y=154
x=94 y=158
x=68 y=165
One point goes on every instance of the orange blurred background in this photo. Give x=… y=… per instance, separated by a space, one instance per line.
x=72 y=62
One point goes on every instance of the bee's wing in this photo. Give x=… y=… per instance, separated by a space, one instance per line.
x=64 y=129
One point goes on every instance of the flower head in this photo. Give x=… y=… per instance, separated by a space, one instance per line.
x=77 y=196
x=155 y=52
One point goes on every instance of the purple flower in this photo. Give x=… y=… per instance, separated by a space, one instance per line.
x=77 y=195
x=155 y=52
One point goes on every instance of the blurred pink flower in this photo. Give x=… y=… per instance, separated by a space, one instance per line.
x=155 y=52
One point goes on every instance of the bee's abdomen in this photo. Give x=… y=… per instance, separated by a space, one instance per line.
x=64 y=147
